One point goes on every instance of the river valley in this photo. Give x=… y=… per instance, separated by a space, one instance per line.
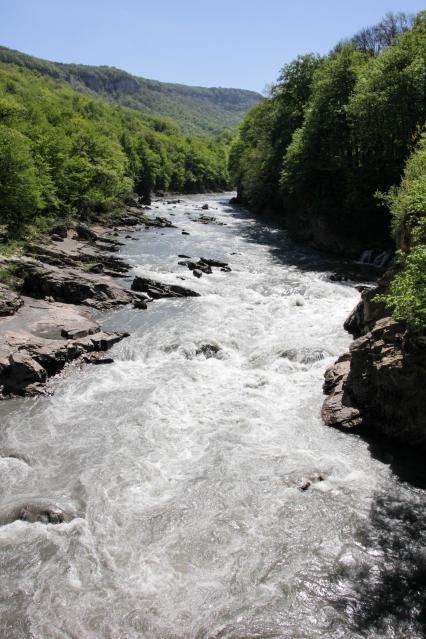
x=210 y=500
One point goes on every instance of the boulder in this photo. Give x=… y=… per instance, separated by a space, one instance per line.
x=84 y=232
x=24 y=369
x=33 y=510
x=208 y=350
x=157 y=222
x=59 y=230
x=158 y=290
x=211 y=262
x=10 y=301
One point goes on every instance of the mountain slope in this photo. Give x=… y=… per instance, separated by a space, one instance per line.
x=199 y=111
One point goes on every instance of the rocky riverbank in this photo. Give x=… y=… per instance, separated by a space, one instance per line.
x=47 y=317
x=380 y=384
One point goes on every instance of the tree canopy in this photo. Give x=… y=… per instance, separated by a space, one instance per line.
x=66 y=154
x=334 y=131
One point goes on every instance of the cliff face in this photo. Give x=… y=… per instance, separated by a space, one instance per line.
x=380 y=385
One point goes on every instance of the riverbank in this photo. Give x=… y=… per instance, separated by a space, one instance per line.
x=47 y=320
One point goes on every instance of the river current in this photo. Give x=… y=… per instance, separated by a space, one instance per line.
x=185 y=465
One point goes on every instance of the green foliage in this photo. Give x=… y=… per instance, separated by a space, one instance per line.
x=407 y=291
x=198 y=111
x=63 y=154
x=335 y=131
x=408 y=202
x=8 y=275
x=257 y=153
x=20 y=192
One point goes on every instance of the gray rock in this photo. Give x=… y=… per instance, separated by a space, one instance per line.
x=380 y=385
x=69 y=285
x=34 y=510
x=208 y=350
x=84 y=232
x=211 y=262
x=59 y=230
x=10 y=301
x=158 y=290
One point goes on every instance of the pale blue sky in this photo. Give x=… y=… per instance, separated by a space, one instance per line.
x=219 y=43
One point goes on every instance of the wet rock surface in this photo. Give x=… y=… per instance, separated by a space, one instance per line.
x=204 y=265
x=158 y=290
x=34 y=510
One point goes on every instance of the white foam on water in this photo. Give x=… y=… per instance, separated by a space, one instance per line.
x=185 y=469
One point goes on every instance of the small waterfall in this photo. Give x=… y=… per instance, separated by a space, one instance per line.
x=381 y=259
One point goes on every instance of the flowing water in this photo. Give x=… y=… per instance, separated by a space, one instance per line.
x=185 y=466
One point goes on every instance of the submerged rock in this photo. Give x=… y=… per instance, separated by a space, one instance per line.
x=208 y=350
x=36 y=510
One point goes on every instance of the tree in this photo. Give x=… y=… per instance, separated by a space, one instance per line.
x=20 y=193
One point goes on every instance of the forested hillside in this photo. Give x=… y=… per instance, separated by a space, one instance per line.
x=334 y=134
x=65 y=154
x=199 y=111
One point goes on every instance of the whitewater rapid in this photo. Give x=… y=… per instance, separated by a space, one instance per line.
x=185 y=471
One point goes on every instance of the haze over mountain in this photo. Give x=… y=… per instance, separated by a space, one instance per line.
x=199 y=110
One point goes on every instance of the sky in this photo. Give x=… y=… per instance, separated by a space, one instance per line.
x=228 y=43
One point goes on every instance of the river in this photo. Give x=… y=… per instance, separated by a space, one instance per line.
x=185 y=465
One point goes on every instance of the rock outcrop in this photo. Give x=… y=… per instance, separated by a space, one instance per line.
x=41 y=339
x=380 y=385
x=77 y=255
x=69 y=285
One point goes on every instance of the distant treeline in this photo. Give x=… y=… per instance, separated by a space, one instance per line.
x=63 y=154
x=336 y=132
x=199 y=111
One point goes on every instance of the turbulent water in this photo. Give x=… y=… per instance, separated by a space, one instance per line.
x=185 y=466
